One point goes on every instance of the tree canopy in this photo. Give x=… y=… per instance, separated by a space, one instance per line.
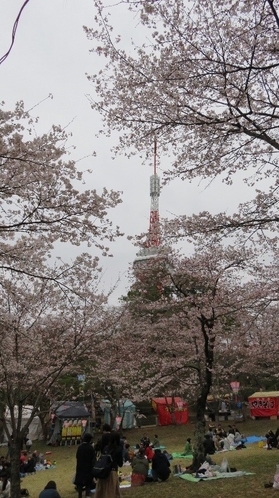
x=52 y=311
x=204 y=79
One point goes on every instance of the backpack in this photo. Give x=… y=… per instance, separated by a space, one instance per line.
x=102 y=467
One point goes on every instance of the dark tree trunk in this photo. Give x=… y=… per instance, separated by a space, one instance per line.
x=205 y=386
x=15 y=467
x=199 y=455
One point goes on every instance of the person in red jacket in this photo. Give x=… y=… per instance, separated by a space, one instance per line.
x=149 y=453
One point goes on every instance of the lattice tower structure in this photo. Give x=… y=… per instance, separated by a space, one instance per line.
x=153 y=240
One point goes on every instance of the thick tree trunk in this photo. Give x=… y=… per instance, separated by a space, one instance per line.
x=15 y=467
x=199 y=455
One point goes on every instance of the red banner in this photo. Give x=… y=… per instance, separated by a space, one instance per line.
x=263 y=407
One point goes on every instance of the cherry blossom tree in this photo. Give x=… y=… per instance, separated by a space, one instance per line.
x=42 y=196
x=46 y=330
x=197 y=335
x=204 y=79
x=52 y=312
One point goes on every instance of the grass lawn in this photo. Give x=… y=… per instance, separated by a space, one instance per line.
x=252 y=459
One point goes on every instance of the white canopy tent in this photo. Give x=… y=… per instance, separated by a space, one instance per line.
x=35 y=428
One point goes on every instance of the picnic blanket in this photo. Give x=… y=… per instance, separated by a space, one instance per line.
x=180 y=455
x=122 y=486
x=254 y=439
x=220 y=475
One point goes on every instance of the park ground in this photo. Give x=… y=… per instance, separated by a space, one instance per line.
x=252 y=459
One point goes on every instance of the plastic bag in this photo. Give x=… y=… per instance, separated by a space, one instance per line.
x=225 y=465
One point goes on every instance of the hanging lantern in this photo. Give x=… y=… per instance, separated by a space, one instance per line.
x=83 y=423
x=66 y=424
x=235 y=387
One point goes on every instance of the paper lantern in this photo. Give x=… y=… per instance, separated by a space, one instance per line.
x=83 y=423
x=235 y=387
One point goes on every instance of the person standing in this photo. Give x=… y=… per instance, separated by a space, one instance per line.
x=86 y=458
x=104 y=439
x=109 y=487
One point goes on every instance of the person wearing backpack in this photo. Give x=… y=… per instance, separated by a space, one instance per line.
x=86 y=458
x=109 y=487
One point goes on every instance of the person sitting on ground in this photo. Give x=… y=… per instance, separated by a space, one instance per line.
x=219 y=443
x=29 y=465
x=156 y=442
x=140 y=467
x=235 y=429
x=5 y=487
x=188 y=450
x=160 y=466
x=145 y=440
x=131 y=452
x=138 y=446
x=208 y=445
x=126 y=453
x=239 y=438
x=271 y=441
x=230 y=438
x=168 y=455
x=220 y=431
x=50 y=491
x=149 y=453
x=22 y=461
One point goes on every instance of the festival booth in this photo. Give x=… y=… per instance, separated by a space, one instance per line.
x=69 y=421
x=126 y=410
x=264 y=404
x=170 y=410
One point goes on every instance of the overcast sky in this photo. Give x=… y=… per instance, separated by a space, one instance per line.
x=51 y=56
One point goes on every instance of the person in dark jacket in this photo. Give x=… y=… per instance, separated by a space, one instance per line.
x=208 y=445
x=50 y=491
x=86 y=458
x=104 y=440
x=160 y=466
x=109 y=487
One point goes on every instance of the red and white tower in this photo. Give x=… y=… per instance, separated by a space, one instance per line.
x=153 y=239
x=150 y=248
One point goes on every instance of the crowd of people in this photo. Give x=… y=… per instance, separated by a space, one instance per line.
x=149 y=463
x=217 y=439
x=148 y=460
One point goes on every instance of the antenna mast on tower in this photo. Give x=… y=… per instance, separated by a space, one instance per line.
x=153 y=239
x=151 y=246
